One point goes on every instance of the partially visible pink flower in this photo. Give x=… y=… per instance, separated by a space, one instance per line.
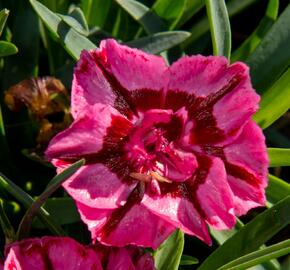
x=165 y=147
x=59 y=253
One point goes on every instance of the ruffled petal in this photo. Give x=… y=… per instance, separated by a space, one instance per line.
x=89 y=85
x=87 y=134
x=133 y=68
x=96 y=186
x=174 y=204
x=56 y=253
x=246 y=164
x=214 y=196
x=138 y=226
x=218 y=96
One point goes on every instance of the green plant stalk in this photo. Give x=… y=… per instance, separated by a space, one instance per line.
x=259 y=256
x=54 y=184
x=27 y=201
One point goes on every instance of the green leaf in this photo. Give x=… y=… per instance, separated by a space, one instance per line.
x=7 y=228
x=25 y=29
x=272 y=56
x=72 y=41
x=168 y=255
x=219 y=26
x=170 y=10
x=76 y=20
x=96 y=11
x=202 y=26
x=251 y=43
x=159 y=42
x=3 y=18
x=277 y=189
x=27 y=201
x=54 y=184
x=279 y=157
x=63 y=209
x=251 y=236
x=275 y=101
x=259 y=256
x=7 y=48
x=151 y=23
x=75 y=24
x=223 y=235
x=188 y=260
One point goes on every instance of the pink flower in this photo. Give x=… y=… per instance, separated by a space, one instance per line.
x=59 y=253
x=165 y=147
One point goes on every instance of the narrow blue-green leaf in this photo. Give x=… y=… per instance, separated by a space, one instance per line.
x=275 y=101
x=251 y=43
x=159 y=42
x=170 y=10
x=272 y=56
x=7 y=48
x=76 y=25
x=27 y=201
x=54 y=184
x=73 y=42
x=279 y=157
x=259 y=256
x=251 y=236
x=277 y=189
x=188 y=260
x=168 y=255
x=151 y=23
x=76 y=19
x=3 y=18
x=219 y=27
x=7 y=228
x=96 y=11
x=63 y=209
x=202 y=26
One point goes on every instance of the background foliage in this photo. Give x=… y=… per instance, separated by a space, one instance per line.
x=45 y=37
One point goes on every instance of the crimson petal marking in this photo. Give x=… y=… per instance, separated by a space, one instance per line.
x=249 y=153
x=129 y=102
x=206 y=83
x=87 y=134
x=138 y=226
x=214 y=194
x=174 y=205
x=247 y=168
x=246 y=196
x=246 y=164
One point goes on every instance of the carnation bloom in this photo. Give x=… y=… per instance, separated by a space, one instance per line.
x=60 y=253
x=166 y=147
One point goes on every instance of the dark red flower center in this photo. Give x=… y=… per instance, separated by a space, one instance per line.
x=153 y=147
